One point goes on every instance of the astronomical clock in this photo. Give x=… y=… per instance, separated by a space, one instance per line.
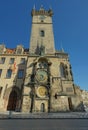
x=41 y=91
x=41 y=76
x=41 y=79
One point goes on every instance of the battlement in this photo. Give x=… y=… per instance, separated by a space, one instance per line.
x=42 y=11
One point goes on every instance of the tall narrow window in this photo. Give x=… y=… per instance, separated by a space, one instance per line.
x=0 y=91
x=42 y=33
x=9 y=73
x=11 y=61
x=70 y=103
x=0 y=72
x=20 y=73
x=62 y=70
x=2 y=60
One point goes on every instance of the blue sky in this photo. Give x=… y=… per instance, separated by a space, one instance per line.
x=70 y=23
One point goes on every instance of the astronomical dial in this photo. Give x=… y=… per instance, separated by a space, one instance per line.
x=41 y=76
x=41 y=91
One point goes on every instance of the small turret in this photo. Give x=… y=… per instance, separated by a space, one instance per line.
x=42 y=11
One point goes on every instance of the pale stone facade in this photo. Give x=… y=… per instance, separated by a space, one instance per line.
x=85 y=99
x=39 y=79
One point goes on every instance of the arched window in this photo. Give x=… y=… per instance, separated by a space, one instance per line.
x=42 y=33
x=62 y=70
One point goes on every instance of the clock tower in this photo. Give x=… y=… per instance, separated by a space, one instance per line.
x=48 y=84
x=42 y=31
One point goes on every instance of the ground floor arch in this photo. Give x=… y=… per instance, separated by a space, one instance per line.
x=12 y=101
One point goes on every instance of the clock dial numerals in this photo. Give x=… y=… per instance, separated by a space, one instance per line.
x=41 y=76
x=42 y=17
x=41 y=91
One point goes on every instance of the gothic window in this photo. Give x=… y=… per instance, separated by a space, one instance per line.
x=2 y=60
x=9 y=73
x=22 y=60
x=66 y=70
x=62 y=70
x=20 y=73
x=0 y=72
x=42 y=33
x=11 y=61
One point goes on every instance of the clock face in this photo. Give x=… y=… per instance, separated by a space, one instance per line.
x=42 y=17
x=41 y=91
x=41 y=76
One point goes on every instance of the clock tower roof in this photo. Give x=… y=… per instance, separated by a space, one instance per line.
x=42 y=11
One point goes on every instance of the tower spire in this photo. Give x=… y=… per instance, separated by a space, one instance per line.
x=41 y=7
x=34 y=7
x=62 y=49
x=50 y=7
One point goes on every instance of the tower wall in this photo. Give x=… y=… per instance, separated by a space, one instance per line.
x=42 y=24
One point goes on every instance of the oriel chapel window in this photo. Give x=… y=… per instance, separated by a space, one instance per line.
x=62 y=70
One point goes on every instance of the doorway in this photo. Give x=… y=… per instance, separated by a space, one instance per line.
x=70 y=103
x=12 y=101
x=42 y=107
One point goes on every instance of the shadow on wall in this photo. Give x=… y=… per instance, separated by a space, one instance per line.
x=13 y=95
x=80 y=107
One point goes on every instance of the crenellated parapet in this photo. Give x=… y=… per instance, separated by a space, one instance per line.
x=42 y=11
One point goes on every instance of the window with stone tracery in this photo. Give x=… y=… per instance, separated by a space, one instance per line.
x=62 y=70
